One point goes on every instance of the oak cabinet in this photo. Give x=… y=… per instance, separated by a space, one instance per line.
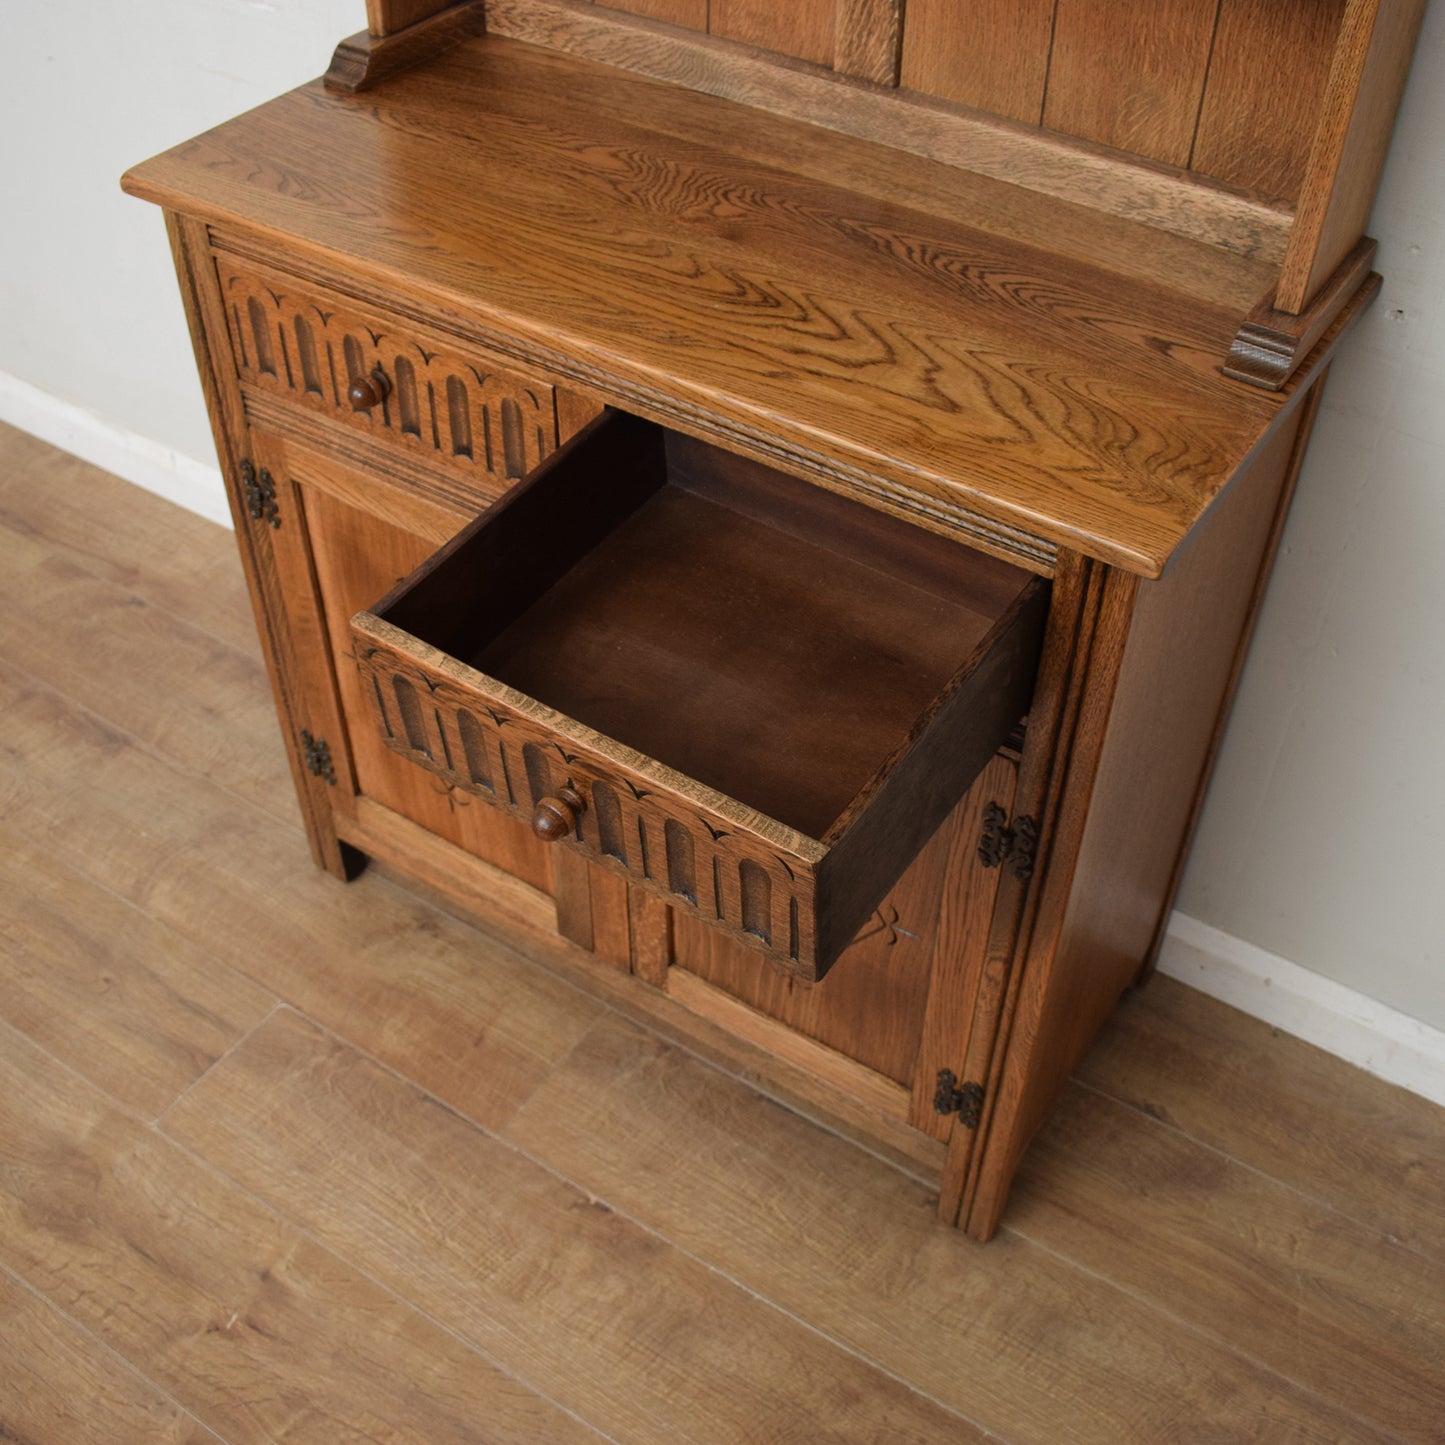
x=803 y=536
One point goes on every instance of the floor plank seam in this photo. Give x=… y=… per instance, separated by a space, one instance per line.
x=109 y=1350
x=303 y=1232
x=1223 y=1342
x=21 y=526
x=155 y=753
x=1393 y=1239
x=158 y=1123
x=641 y=1225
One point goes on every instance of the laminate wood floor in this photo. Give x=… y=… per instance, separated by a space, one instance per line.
x=285 y=1159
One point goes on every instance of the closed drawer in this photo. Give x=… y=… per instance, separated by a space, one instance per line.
x=751 y=697
x=415 y=392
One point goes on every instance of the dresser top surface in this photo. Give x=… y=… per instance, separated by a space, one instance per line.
x=848 y=310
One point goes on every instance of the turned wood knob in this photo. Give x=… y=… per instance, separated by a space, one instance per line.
x=555 y=817
x=366 y=392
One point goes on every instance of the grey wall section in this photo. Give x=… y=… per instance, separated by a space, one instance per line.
x=1324 y=837
x=89 y=310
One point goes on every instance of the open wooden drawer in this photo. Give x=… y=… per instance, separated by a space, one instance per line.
x=754 y=698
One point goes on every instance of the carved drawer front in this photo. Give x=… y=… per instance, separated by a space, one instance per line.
x=748 y=696
x=436 y=400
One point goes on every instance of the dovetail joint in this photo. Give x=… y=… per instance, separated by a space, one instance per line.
x=259 y=490
x=1010 y=848
x=964 y=1100
x=316 y=754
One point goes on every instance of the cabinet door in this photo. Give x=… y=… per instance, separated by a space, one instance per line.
x=349 y=539
x=899 y=1002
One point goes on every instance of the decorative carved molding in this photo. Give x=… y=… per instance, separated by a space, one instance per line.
x=438 y=404
x=658 y=842
x=361 y=60
x=1271 y=345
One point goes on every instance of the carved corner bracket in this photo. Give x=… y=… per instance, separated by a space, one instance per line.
x=1270 y=345
x=360 y=61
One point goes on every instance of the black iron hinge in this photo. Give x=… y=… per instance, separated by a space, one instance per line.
x=1013 y=848
x=259 y=490
x=316 y=754
x=965 y=1100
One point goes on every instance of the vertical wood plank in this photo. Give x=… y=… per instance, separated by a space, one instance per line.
x=990 y=54
x=611 y=920
x=1263 y=95
x=868 y=36
x=801 y=28
x=205 y=318
x=651 y=928
x=1130 y=76
x=690 y=13
x=965 y=914
x=1372 y=60
x=1156 y=677
x=572 y=887
x=358 y=557
x=386 y=17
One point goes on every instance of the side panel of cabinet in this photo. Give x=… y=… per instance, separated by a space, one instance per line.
x=1156 y=689
x=259 y=527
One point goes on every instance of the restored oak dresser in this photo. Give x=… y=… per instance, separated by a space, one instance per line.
x=788 y=488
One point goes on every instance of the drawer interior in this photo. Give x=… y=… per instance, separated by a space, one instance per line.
x=775 y=642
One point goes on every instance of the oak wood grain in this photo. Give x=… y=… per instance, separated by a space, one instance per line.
x=802 y=28
x=137 y=1009
x=385 y=17
x=368 y=58
x=689 y=13
x=833 y=1236
x=1144 y=738
x=476 y=1023
x=548 y=1280
x=989 y=54
x=524 y=919
x=358 y=557
x=201 y=302
x=868 y=38
x=1271 y=344
x=1367 y=77
x=1130 y=76
x=1327 y=1303
x=907 y=126
x=944 y=393
x=183 y=1274
x=1267 y=76
x=964 y=916
x=58 y=1383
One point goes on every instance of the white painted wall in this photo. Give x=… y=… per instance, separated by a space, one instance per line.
x=1324 y=838
x=89 y=310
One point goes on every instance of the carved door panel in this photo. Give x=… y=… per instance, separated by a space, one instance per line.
x=347 y=540
x=900 y=999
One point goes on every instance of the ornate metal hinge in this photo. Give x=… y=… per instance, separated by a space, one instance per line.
x=965 y=1101
x=1013 y=848
x=259 y=490
x=316 y=754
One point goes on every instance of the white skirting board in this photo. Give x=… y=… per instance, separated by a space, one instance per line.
x=1393 y=1046
x=159 y=469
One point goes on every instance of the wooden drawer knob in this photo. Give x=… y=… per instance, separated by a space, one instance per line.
x=366 y=392
x=555 y=817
